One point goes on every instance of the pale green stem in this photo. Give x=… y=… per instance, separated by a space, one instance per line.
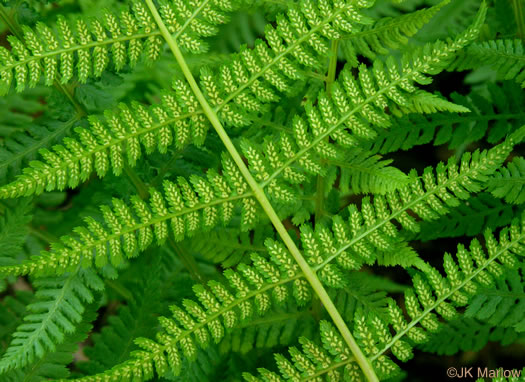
x=187 y=260
x=332 y=66
x=120 y=289
x=330 y=78
x=42 y=234
x=519 y=14
x=264 y=202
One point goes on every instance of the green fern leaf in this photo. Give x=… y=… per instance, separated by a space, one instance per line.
x=467 y=334
x=492 y=117
x=473 y=271
x=54 y=364
x=13 y=230
x=471 y=217
x=503 y=305
x=57 y=52
x=362 y=173
x=387 y=33
x=505 y=56
x=58 y=307
x=508 y=182
x=128 y=230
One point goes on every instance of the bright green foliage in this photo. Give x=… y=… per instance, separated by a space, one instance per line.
x=53 y=365
x=229 y=247
x=183 y=209
x=115 y=340
x=248 y=79
x=467 y=334
x=361 y=173
x=13 y=230
x=471 y=217
x=508 y=182
x=491 y=115
x=84 y=48
x=58 y=307
x=503 y=305
x=387 y=33
x=431 y=299
x=505 y=56
x=102 y=146
x=194 y=185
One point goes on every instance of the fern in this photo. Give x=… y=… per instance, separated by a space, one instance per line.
x=115 y=341
x=12 y=309
x=471 y=217
x=508 y=182
x=491 y=116
x=503 y=305
x=467 y=334
x=57 y=52
x=229 y=247
x=58 y=307
x=14 y=230
x=368 y=174
x=387 y=33
x=472 y=270
x=210 y=182
x=505 y=56
x=54 y=364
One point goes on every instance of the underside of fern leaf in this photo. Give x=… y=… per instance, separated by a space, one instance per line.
x=209 y=190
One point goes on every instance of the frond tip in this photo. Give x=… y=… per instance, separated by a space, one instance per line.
x=59 y=307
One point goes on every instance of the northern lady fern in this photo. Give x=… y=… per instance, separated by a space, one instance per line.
x=300 y=186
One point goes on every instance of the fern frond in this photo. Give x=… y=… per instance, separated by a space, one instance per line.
x=505 y=56
x=387 y=33
x=263 y=277
x=188 y=208
x=467 y=334
x=13 y=230
x=320 y=246
x=470 y=218
x=428 y=197
x=53 y=365
x=58 y=307
x=305 y=364
x=502 y=305
x=87 y=47
x=12 y=310
x=357 y=105
x=21 y=148
x=136 y=319
x=112 y=143
x=249 y=80
x=276 y=328
x=433 y=296
x=490 y=117
x=197 y=324
x=453 y=18
x=508 y=182
x=361 y=172
x=228 y=246
x=190 y=211
x=364 y=292
x=17 y=120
